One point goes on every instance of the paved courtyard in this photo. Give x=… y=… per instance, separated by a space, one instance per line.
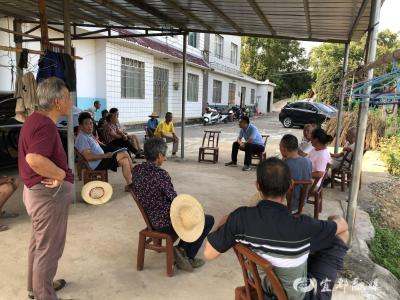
x=99 y=260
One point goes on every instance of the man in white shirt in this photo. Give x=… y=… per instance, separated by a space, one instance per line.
x=337 y=158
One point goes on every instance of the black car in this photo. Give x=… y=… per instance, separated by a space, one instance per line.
x=301 y=113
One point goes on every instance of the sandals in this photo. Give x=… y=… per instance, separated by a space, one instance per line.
x=8 y=215
x=57 y=285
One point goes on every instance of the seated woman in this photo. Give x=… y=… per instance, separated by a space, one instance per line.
x=132 y=138
x=91 y=150
x=112 y=136
x=319 y=156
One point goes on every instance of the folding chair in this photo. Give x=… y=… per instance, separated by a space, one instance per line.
x=261 y=155
x=88 y=173
x=252 y=290
x=152 y=240
x=210 y=147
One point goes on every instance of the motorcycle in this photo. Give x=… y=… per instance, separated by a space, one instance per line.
x=213 y=116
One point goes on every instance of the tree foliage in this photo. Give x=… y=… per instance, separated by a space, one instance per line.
x=326 y=62
x=265 y=58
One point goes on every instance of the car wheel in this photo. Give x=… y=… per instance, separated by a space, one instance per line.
x=287 y=122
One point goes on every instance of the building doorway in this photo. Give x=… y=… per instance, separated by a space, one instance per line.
x=269 y=101
x=243 y=97
x=160 y=91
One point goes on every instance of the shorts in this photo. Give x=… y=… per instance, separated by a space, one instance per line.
x=108 y=164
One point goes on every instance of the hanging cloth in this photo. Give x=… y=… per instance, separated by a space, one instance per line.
x=23 y=60
x=25 y=92
x=59 y=65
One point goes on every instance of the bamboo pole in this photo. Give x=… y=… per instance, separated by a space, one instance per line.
x=19 y=50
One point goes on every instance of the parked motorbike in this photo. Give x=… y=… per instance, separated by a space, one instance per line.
x=213 y=116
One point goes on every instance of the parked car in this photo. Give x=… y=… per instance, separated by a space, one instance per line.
x=301 y=113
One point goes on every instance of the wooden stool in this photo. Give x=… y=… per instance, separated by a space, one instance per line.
x=252 y=290
x=316 y=193
x=211 y=147
x=88 y=173
x=152 y=240
x=261 y=155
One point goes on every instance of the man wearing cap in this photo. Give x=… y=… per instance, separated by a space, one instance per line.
x=152 y=124
x=300 y=249
x=153 y=188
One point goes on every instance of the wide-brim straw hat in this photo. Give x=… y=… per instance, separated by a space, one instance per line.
x=257 y=197
x=187 y=217
x=154 y=115
x=96 y=192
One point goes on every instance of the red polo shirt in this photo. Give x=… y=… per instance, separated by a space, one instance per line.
x=39 y=135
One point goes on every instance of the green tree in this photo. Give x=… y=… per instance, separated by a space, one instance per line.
x=265 y=58
x=326 y=62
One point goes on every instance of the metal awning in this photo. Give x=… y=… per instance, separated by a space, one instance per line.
x=313 y=20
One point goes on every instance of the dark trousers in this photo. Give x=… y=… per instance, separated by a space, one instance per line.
x=323 y=266
x=191 y=249
x=249 y=150
x=121 y=143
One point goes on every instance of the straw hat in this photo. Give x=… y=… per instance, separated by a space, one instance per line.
x=257 y=197
x=187 y=217
x=96 y=192
x=154 y=115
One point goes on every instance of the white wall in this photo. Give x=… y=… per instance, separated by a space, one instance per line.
x=226 y=59
x=100 y=64
x=177 y=42
x=86 y=68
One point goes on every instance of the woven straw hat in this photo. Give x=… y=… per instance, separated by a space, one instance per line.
x=96 y=192
x=187 y=217
x=154 y=115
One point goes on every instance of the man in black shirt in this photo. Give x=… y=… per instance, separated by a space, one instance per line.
x=301 y=249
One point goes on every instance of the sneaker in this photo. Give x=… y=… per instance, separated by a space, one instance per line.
x=196 y=262
x=246 y=168
x=231 y=163
x=57 y=285
x=182 y=261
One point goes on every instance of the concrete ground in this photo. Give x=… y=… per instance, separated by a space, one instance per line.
x=99 y=260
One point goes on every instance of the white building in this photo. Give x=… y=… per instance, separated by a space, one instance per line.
x=141 y=75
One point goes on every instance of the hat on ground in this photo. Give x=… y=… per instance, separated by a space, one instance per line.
x=96 y=192
x=154 y=115
x=187 y=217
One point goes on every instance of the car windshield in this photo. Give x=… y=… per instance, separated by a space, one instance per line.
x=323 y=107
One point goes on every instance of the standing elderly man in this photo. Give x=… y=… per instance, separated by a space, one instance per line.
x=253 y=143
x=48 y=181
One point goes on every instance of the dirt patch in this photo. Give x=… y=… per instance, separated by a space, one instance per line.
x=387 y=196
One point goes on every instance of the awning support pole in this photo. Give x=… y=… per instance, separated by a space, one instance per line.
x=44 y=32
x=362 y=121
x=341 y=97
x=67 y=50
x=183 y=95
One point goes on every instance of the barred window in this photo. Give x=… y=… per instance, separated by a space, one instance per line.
x=252 y=96
x=234 y=54
x=193 y=39
x=219 y=46
x=192 y=87
x=231 y=94
x=132 y=78
x=217 y=90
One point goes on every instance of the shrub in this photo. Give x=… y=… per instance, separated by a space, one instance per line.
x=390 y=152
x=385 y=247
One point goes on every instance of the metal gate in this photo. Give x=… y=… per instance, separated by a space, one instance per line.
x=160 y=93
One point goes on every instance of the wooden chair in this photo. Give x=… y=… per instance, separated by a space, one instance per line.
x=252 y=290
x=316 y=193
x=290 y=196
x=261 y=155
x=342 y=173
x=88 y=174
x=152 y=240
x=210 y=146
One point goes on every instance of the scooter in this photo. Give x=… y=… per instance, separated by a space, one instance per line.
x=212 y=116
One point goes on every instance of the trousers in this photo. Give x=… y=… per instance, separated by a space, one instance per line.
x=191 y=249
x=249 y=150
x=48 y=209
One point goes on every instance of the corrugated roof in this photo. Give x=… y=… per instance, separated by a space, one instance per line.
x=320 y=20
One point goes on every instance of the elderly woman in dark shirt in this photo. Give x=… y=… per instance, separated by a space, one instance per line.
x=153 y=187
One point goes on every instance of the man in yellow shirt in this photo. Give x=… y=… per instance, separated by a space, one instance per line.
x=166 y=130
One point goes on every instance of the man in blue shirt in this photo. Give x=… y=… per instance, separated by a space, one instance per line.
x=152 y=124
x=253 y=143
